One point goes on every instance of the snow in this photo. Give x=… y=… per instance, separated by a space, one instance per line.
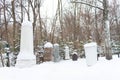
x=49 y=8
x=90 y=44
x=56 y=44
x=65 y=70
x=48 y=45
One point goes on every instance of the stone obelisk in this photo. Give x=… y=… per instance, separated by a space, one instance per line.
x=26 y=42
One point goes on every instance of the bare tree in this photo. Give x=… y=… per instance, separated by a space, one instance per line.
x=14 y=24
x=106 y=27
x=108 y=51
x=114 y=21
x=21 y=4
x=34 y=6
x=40 y=19
x=60 y=10
x=5 y=20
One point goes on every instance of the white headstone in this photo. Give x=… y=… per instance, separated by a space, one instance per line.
x=67 y=55
x=91 y=53
x=26 y=42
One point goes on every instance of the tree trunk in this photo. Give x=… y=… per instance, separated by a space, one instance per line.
x=21 y=11
x=14 y=25
x=60 y=17
x=2 y=59
x=6 y=28
x=28 y=13
x=40 y=21
x=108 y=51
x=75 y=38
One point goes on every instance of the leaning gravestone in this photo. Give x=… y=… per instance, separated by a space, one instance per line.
x=67 y=55
x=26 y=43
x=56 y=53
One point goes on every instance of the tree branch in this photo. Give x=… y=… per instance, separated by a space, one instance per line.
x=100 y=1
x=87 y=4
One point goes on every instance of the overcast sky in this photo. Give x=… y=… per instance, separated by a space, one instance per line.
x=49 y=7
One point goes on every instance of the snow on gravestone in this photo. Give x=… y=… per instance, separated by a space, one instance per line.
x=56 y=53
x=91 y=53
x=67 y=55
x=26 y=43
x=48 y=45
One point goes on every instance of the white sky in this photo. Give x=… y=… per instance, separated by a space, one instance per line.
x=49 y=7
x=48 y=10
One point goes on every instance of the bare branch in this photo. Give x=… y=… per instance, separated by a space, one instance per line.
x=87 y=4
x=100 y=1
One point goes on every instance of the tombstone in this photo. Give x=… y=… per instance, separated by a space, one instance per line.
x=74 y=56
x=56 y=53
x=48 y=48
x=7 y=51
x=39 y=55
x=26 y=42
x=67 y=54
x=91 y=53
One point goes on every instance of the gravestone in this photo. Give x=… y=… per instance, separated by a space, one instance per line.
x=56 y=53
x=48 y=48
x=75 y=55
x=67 y=54
x=26 y=43
x=91 y=53
x=39 y=55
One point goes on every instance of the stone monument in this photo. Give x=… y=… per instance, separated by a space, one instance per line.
x=26 y=42
x=56 y=53
x=91 y=53
x=67 y=54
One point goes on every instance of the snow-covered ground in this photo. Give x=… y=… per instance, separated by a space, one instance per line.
x=65 y=70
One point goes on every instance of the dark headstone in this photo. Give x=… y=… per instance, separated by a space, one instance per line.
x=74 y=57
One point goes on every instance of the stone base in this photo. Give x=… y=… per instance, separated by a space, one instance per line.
x=25 y=63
